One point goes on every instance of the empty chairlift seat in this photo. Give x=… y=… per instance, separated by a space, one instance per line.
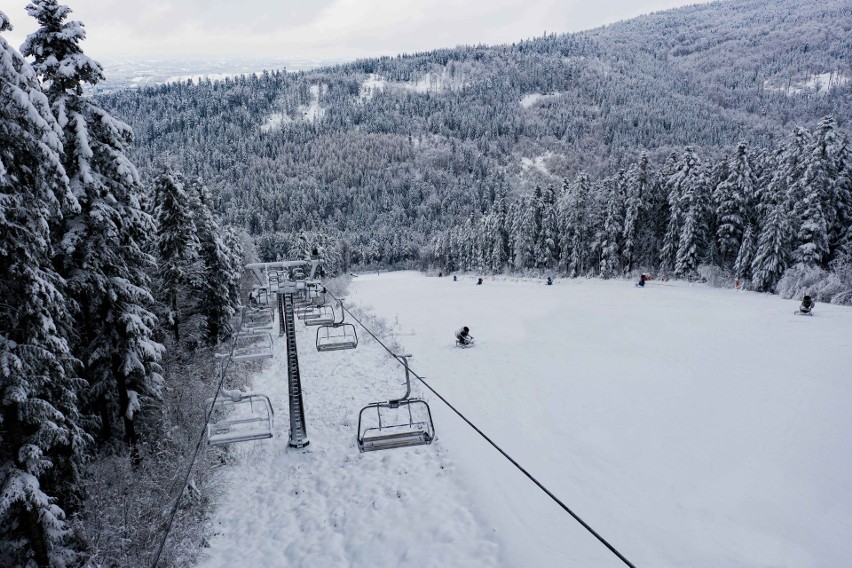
x=307 y=312
x=252 y=346
x=239 y=417
x=324 y=315
x=395 y=423
x=337 y=335
x=256 y=320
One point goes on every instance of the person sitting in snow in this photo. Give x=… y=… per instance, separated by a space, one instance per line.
x=807 y=305
x=550 y=281
x=479 y=282
x=463 y=337
x=642 y=280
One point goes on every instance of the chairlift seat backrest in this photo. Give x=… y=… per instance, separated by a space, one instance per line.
x=396 y=423
x=324 y=316
x=239 y=418
x=336 y=337
x=252 y=347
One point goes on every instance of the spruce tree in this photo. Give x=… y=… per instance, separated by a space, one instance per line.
x=691 y=184
x=638 y=233
x=575 y=222
x=101 y=251
x=41 y=441
x=179 y=268
x=734 y=201
x=548 y=239
x=772 y=255
x=215 y=299
x=613 y=228
x=671 y=236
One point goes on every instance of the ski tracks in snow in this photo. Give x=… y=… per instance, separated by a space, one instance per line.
x=327 y=504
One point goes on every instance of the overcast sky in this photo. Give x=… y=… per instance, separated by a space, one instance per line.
x=321 y=29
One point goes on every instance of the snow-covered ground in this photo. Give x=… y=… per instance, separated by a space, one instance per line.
x=689 y=426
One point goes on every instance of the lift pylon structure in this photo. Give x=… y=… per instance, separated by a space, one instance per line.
x=288 y=281
x=298 y=432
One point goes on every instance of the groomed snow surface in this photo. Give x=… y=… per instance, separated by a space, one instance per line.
x=689 y=426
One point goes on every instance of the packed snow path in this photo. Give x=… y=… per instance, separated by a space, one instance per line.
x=689 y=426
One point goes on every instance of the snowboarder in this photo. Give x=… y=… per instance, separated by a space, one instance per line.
x=642 y=280
x=807 y=305
x=455 y=278
x=479 y=282
x=549 y=281
x=440 y=275
x=463 y=337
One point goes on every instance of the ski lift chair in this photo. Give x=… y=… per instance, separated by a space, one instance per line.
x=395 y=423
x=324 y=316
x=261 y=295
x=338 y=335
x=258 y=319
x=252 y=346
x=307 y=312
x=239 y=417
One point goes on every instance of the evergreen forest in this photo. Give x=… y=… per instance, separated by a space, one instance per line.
x=709 y=142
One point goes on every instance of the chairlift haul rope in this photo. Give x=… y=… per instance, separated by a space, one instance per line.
x=495 y=446
x=224 y=367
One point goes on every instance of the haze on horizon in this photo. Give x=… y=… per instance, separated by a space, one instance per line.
x=338 y=30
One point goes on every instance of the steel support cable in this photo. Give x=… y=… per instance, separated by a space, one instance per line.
x=226 y=361
x=496 y=447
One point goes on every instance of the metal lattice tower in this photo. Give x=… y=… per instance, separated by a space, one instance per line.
x=298 y=433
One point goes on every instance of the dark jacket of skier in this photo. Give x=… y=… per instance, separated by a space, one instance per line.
x=463 y=336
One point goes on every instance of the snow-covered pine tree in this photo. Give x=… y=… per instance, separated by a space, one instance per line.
x=828 y=168
x=236 y=263
x=691 y=182
x=745 y=256
x=816 y=203
x=41 y=441
x=789 y=175
x=672 y=189
x=548 y=239
x=101 y=251
x=534 y=226
x=734 y=201
x=613 y=228
x=524 y=233
x=576 y=225
x=500 y=252
x=215 y=302
x=177 y=245
x=638 y=233
x=773 y=250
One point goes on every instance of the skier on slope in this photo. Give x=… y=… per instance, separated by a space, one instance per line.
x=807 y=305
x=463 y=337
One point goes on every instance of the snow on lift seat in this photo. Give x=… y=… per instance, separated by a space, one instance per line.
x=307 y=312
x=252 y=346
x=324 y=316
x=239 y=417
x=258 y=319
x=395 y=423
x=338 y=335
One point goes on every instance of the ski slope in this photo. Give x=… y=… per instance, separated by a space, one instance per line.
x=689 y=426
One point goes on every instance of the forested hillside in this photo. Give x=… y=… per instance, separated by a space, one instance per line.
x=381 y=155
x=378 y=158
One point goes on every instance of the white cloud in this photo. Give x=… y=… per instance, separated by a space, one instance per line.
x=332 y=29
